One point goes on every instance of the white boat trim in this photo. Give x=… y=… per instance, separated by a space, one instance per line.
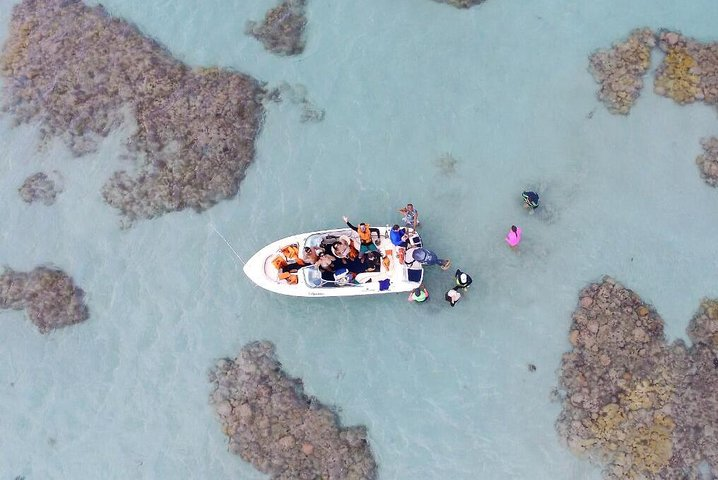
x=260 y=270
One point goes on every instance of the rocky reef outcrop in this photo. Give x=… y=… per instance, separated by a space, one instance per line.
x=632 y=403
x=39 y=187
x=462 y=3
x=49 y=297
x=272 y=424
x=620 y=70
x=80 y=72
x=282 y=30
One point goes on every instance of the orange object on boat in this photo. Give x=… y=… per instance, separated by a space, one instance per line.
x=279 y=262
x=291 y=252
x=291 y=278
x=400 y=253
x=387 y=259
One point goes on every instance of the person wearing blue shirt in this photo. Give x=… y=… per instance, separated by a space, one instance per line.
x=398 y=236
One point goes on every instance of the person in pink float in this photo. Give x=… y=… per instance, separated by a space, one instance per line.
x=513 y=238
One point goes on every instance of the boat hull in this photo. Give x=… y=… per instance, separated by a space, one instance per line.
x=259 y=270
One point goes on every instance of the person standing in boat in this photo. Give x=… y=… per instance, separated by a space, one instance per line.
x=411 y=216
x=366 y=244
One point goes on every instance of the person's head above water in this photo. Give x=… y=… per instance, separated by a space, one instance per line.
x=410 y=206
x=513 y=228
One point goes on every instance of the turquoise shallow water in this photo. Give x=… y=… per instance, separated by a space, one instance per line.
x=445 y=393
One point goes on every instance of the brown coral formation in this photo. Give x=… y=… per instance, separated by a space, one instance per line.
x=297 y=95
x=77 y=70
x=619 y=70
x=708 y=161
x=689 y=71
x=281 y=431
x=282 y=31
x=634 y=404
x=39 y=188
x=462 y=3
x=48 y=295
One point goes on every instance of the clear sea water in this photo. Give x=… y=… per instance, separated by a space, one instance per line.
x=445 y=393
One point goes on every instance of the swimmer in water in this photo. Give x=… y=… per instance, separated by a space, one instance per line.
x=513 y=238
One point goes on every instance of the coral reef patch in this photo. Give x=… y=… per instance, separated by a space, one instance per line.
x=461 y=3
x=708 y=161
x=619 y=70
x=77 y=70
x=689 y=71
x=272 y=424
x=297 y=95
x=446 y=163
x=39 y=187
x=49 y=297
x=282 y=30
x=632 y=403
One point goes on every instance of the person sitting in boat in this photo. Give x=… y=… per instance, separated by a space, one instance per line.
x=342 y=276
x=398 y=236
x=411 y=216
x=344 y=248
x=311 y=255
x=364 y=230
x=372 y=262
x=325 y=262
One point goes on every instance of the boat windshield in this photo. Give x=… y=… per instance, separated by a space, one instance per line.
x=312 y=276
x=314 y=240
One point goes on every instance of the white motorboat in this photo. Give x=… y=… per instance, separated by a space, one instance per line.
x=276 y=269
